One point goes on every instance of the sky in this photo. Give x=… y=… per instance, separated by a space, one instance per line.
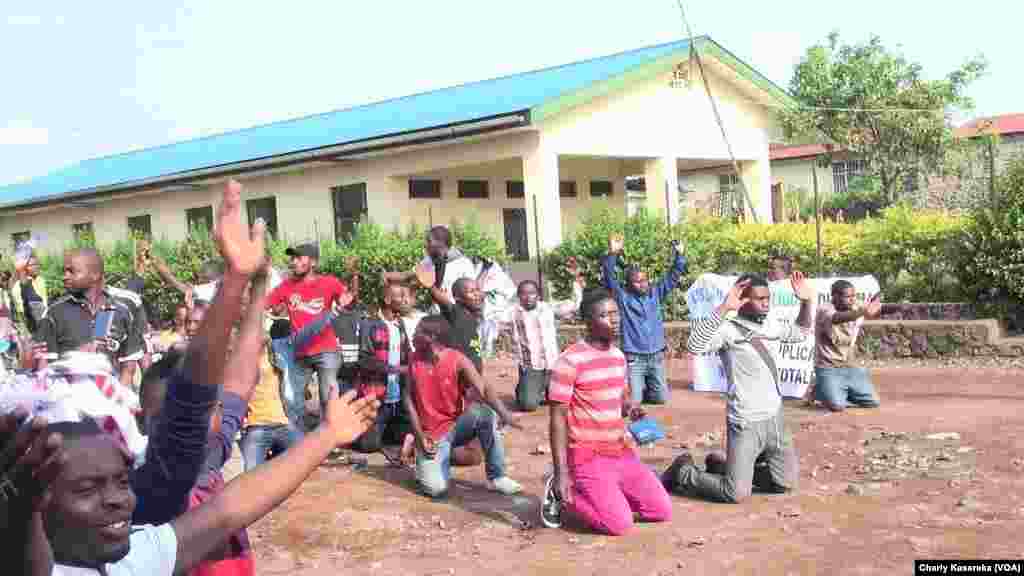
x=81 y=82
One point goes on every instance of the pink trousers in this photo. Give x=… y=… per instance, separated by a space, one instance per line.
x=608 y=491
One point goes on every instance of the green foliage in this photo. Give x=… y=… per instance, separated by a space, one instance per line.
x=992 y=250
x=862 y=199
x=377 y=250
x=916 y=256
x=911 y=253
x=841 y=90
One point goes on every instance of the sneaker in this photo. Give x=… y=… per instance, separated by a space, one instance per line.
x=668 y=478
x=551 y=505
x=505 y=485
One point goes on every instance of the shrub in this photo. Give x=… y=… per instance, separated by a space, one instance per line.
x=377 y=250
x=991 y=262
x=916 y=256
x=911 y=253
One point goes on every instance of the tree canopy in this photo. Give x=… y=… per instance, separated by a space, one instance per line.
x=875 y=104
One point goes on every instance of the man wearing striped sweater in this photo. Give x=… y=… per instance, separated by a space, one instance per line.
x=760 y=451
x=597 y=476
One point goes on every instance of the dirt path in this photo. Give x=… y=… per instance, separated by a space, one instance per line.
x=875 y=494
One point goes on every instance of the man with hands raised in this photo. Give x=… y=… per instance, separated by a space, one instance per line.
x=748 y=344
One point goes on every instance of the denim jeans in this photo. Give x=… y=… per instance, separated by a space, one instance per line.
x=532 y=388
x=647 y=378
x=326 y=366
x=767 y=441
x=839 y=387
x=258 y=441
x=293 y=383
x=434 y=472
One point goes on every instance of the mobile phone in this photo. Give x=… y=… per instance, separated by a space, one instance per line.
x=104 y=320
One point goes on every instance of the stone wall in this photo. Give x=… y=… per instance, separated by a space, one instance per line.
x=929 y=311
x=880 y=339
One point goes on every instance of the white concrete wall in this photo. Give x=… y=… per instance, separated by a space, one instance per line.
x=592 y=141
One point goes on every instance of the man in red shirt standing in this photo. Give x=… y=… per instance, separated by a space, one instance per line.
x=308 y=296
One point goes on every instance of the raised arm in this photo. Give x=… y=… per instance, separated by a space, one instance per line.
x=177 y=448
x=805 y=292
x=243 y=254
x=671 y=279
x=609 y=264
x=871 y=311
x=706 y=333
x=242 y=371
x=252 y=495
x=164 y=271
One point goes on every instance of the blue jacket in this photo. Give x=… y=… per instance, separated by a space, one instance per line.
x=643 y=330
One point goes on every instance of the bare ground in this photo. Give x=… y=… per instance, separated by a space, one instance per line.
x=875 y=494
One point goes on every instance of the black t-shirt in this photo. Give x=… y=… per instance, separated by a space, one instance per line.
x=68 y=325
x=31 y=302
x=465 y=333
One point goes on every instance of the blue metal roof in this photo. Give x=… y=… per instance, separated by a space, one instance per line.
x=442 y=107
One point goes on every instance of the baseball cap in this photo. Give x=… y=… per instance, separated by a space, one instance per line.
x=306 y=249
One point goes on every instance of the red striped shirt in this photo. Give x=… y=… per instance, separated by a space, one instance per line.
x=591 y=383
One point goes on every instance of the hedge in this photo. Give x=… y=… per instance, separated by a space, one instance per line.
x=916 y=256
x=377 y=250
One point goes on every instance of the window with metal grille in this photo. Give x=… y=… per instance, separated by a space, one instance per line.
x=349 y=210
x=515 y=189
x=843 y=172
x=265 y=208
x=141 y=225
x=20 y=237
x=567 y=188
x=199 y=218
x=82 y=230
x=474 y=189
x=600 y=188
x=424 y=188
x=727 y=185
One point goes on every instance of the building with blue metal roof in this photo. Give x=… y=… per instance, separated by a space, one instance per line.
x=526 y=154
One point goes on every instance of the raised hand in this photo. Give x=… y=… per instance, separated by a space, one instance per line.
x=734 y=299
x=425 y=274
x=874 y=306
x=616 y=244
x=802 y=287
x=241 y=248
x=348 y=418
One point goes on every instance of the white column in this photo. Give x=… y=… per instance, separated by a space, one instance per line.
x=757 y=177
x=661 y=176
x=540 y=180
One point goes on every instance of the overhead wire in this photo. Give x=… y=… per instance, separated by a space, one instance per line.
x=695 y=56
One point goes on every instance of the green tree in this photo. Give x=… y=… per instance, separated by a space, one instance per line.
x=875 y=104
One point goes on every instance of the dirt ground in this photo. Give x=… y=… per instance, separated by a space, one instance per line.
x=936 y=472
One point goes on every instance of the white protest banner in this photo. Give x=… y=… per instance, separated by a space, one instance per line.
x=795 y=362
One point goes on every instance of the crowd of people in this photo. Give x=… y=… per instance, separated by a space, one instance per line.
x=246 y=341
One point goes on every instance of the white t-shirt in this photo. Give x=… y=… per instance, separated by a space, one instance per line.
x=154 y=551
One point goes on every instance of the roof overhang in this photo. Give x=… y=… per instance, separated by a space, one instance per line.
x=334 y=153
x=767 y=91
